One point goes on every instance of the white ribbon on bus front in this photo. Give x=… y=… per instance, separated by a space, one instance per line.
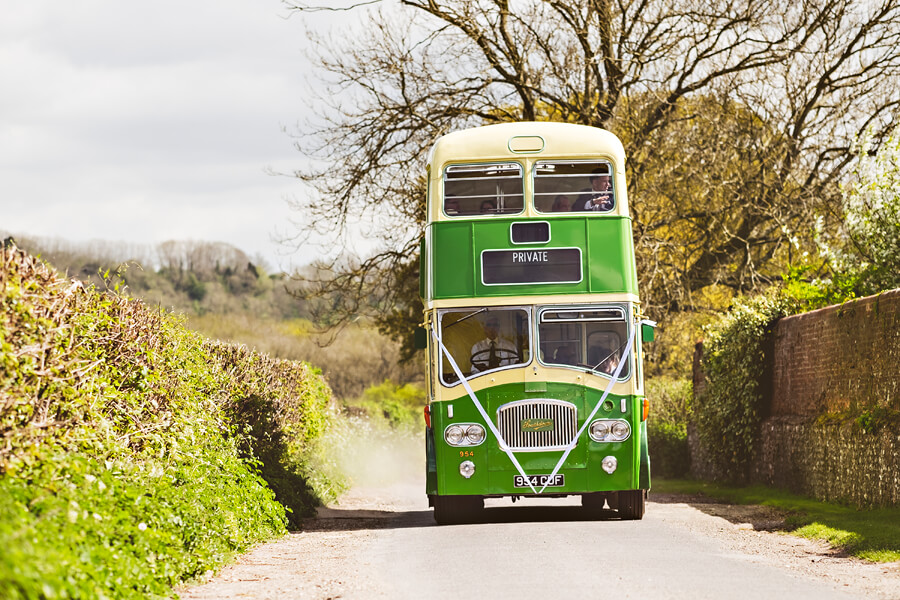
x=615 y=377
x=484 y=415
x=574 y=442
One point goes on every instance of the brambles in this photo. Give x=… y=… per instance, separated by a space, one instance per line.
x=670 y=411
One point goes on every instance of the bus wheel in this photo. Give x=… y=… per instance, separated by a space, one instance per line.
x=593 y=505
x=449 y=510
x=631 y=504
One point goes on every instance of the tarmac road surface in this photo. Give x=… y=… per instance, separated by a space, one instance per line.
x=382 y=542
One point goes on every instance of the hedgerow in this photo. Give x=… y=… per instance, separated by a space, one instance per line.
x=670 y=411
x=134 y=455
x=728 y=411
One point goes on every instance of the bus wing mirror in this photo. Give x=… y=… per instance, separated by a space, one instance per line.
x=648 y=331
x=420 y=338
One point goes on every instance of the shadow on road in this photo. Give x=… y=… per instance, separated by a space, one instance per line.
x=338 y=519
x=751 y=516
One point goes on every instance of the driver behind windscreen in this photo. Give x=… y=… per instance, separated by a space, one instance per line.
x=493 y=351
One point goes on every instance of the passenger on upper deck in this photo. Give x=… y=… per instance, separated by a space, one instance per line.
x=451 y=205
x=561 y=204
x=599 y=196
x=488 y=207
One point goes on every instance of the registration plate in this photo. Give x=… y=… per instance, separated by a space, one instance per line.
x=557 y=480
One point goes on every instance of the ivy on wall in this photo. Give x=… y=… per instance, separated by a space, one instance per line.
x=728 y=411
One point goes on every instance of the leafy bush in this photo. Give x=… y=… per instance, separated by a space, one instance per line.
x=728 y=412
x=283 y=407
x=128 y=461
x=872 y=211
x=400 y=405
x=670 y=411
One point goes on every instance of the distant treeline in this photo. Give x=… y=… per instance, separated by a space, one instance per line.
x=195 y=277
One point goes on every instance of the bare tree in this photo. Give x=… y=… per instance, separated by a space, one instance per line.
x=737 y=117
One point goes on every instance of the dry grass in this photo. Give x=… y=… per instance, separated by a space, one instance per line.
x=358 y=358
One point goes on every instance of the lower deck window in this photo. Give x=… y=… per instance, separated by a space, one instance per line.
x=484 y=339
x=592 y=339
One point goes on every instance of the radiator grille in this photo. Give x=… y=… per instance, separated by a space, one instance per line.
x=563 y=414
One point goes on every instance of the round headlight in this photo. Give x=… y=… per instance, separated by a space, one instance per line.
x=475 y=434
x=467 y=468
x=620 y=430
x=599 y=430
x=454 y=435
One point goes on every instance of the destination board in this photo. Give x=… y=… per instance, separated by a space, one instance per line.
x=547 y=265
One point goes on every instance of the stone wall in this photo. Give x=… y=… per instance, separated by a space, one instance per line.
x=825 y=369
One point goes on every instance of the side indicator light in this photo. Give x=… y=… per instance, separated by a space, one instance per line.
x=646 y=411
x=428 y=417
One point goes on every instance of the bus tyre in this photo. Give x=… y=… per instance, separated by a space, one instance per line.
x=450 y=510
x=593 y=505
x=631 y=504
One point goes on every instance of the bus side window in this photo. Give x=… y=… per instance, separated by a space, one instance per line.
x=451 y=205
x=483 y=189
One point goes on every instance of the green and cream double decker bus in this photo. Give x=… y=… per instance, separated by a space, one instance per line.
x=533 y=322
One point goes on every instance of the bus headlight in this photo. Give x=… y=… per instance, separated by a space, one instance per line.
x=465 y=434
x=620 y=430
x=475 y=434
x=599 y=431
x=454 y=435
x=467 y=468
x=609 y=430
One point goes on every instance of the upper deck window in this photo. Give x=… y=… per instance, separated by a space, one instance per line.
x=574 y=186
x=487 y=189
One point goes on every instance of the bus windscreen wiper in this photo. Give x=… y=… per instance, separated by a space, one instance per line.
x=468 y=316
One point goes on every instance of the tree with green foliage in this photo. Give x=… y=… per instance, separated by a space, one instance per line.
x=872 y=212
x=738 y=118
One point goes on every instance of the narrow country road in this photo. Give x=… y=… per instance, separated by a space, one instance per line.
x=383 y=543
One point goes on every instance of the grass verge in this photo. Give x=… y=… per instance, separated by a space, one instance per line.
x=872 y=534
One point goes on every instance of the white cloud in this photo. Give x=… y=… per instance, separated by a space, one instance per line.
x=148 y=121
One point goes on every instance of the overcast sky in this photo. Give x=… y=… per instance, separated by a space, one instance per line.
x=150 y=121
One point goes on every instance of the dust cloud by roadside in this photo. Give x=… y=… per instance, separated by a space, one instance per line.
x=361 y=452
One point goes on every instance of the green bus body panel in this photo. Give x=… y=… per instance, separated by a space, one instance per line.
x=430 y=463
x=645 y=459
x=605 y=242
x=454 y=266
x=423 y=267
x=495 y=473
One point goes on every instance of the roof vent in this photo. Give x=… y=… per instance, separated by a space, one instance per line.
x=526 y=143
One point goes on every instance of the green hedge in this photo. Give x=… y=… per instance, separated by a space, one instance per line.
x=133 y=455
x=670 y=410
x=728 y=411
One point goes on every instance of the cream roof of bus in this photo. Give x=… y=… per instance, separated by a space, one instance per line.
x=560 y=140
